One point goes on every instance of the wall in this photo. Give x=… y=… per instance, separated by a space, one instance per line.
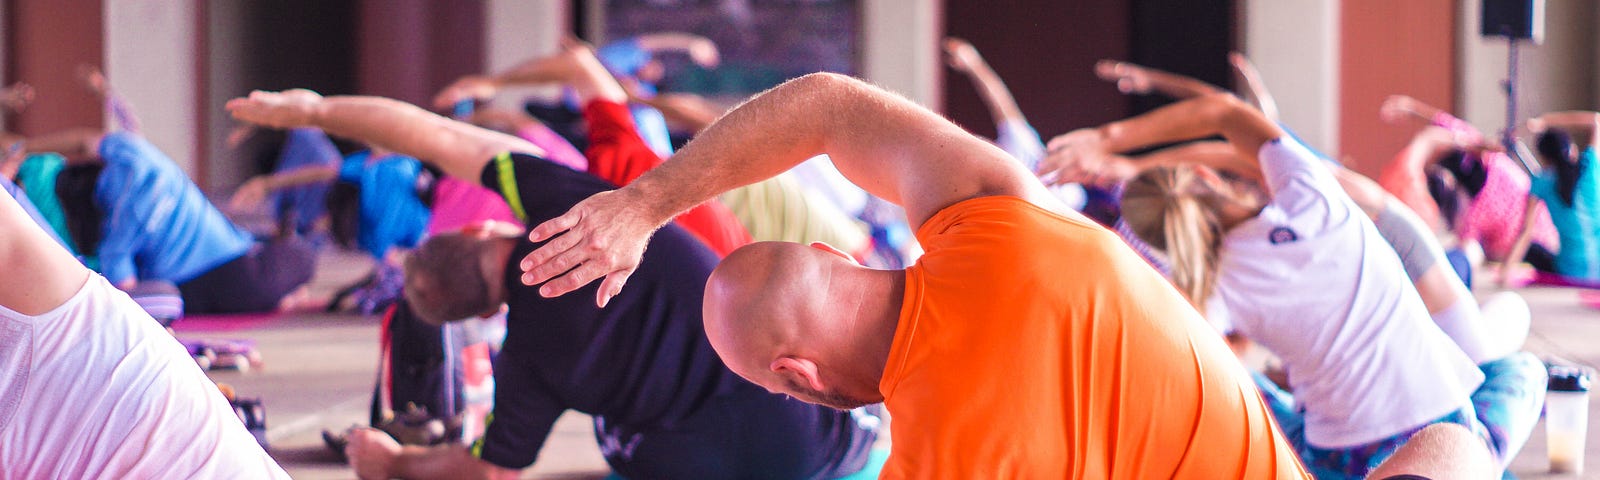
x=409 y=49
x=149 y=58
x=900 y=51
x=1379 y=60
x=1295 y=45
x=274 y=45
x=45 y=41
x=1046 y=55
x=1561 y=74
x=517 y=30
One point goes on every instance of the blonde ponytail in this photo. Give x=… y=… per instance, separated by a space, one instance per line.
x=1172 y=210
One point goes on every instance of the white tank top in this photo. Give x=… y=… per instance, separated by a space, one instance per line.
x=95 y=388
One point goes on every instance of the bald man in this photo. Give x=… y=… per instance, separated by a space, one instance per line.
x=664 y=405
x=1027 y=342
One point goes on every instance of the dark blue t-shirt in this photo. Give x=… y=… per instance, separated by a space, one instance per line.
x=644 y=359
x=642 y=365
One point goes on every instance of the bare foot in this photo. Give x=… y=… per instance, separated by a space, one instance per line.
x=302 y=300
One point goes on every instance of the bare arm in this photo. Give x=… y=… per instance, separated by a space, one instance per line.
x=1086 y=153
x=375 y=455
x=27 y=252
x=1134 y=78
x=1574 y=121
x=256 y=189
x=888 y=145
x=1397 y=108
x=689 y=111
x=574 y=66
x=1253 y=86
x=1441 y=450
x=700 y=49
x=1519 y=249
x=964 y=58
x=16 y=97
x=459 y=149
x=78 y=145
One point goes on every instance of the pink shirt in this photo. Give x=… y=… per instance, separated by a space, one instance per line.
x=457 y=204
x=1494 y=217
x=556 y=149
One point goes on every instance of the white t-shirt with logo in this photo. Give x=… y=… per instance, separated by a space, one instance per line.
x=1310 y=279
x=95 y=388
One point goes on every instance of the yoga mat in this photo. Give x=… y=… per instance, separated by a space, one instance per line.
x=223 y=323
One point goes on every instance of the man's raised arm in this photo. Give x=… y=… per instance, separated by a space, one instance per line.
x=459 y=149
x=888 y=145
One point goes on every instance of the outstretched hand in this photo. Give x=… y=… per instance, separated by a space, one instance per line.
x=471 y=87
x=250 y=195
x=1129 y=78
x=16 y=97
x=960 y=55
x=1396 y=108
x=1080 y=156
x=286 y=109
x=371 y=453
x=602 y=236
x=704 y=53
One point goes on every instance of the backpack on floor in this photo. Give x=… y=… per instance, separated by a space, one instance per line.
x=434 y=383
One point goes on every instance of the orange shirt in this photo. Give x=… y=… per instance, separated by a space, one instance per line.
x=1033 y=345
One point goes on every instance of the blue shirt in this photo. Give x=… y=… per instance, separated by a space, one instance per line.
x=392 y=215
x=1577 y=224
x=158 y=226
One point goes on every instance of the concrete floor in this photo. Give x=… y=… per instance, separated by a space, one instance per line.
x=319 y=372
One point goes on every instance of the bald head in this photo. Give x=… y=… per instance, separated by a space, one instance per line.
x=760 y=298
x=803 y=320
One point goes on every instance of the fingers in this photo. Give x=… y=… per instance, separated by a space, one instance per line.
x=553 y=227
x=611 y=286
x=575 y=279
x=1107 y=70
x=560 y=262
x=447 y=98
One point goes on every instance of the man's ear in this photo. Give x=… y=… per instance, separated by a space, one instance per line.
x=802 y=371
x=834 y=250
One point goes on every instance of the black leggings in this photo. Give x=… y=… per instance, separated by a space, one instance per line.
x=1541 y=258
x=254 y=282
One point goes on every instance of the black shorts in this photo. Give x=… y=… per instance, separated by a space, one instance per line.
x=254 y=282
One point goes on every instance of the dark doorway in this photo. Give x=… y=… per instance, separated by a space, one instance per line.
x=1045 y=52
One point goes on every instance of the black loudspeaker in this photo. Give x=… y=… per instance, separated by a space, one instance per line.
x=1515 y=19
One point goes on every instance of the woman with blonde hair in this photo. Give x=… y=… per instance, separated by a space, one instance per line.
x=1299 y=267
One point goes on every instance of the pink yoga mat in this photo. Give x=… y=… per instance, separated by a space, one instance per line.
x=223 y=323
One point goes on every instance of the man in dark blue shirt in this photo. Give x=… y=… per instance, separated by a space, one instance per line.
x=664 y=405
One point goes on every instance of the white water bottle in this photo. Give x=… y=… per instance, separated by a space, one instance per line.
x=1566 y=418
